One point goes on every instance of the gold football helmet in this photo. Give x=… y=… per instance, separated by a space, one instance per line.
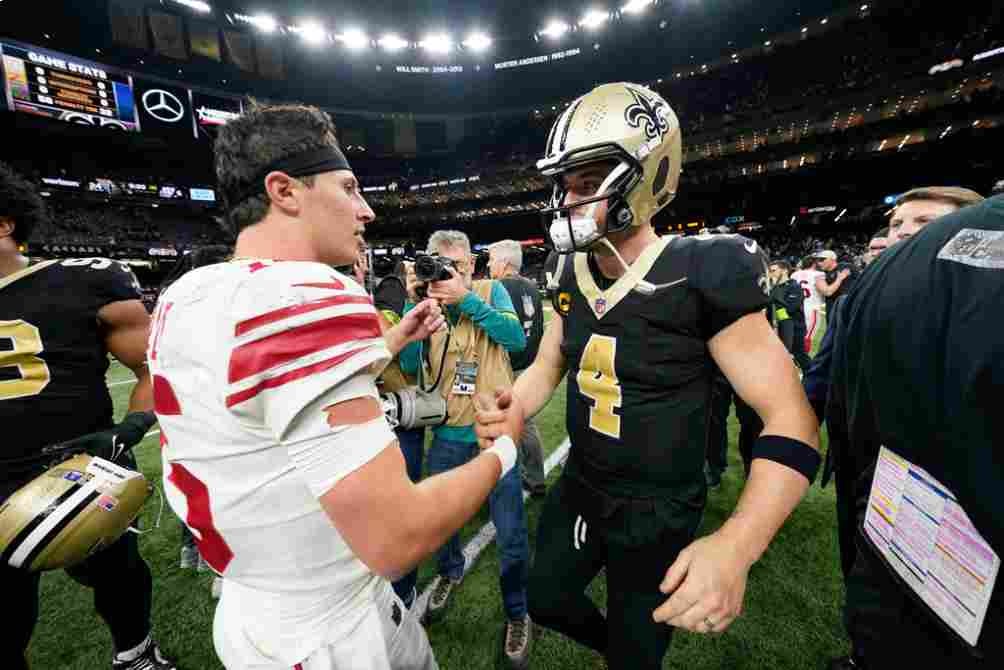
x=69 y=512
x=635 y=128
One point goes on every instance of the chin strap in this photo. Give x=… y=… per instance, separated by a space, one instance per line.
x=642 y=285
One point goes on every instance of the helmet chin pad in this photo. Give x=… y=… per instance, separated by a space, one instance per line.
x=569 y=232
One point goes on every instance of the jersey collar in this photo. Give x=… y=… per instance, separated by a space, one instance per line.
x=31 y=269
x=603 y=302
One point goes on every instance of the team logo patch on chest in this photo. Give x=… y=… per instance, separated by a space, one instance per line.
x=564 y=302
x=601 y=305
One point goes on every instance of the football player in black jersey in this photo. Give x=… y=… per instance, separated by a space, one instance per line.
x=644 y=320
x=59 y=320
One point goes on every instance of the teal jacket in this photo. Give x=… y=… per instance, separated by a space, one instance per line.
x=498 y=320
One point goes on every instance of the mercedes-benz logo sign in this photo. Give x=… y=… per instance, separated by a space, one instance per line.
x=163 y=105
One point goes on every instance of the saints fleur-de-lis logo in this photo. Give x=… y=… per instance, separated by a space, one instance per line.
x=648 y=113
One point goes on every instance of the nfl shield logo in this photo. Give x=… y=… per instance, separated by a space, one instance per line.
x=601 y=305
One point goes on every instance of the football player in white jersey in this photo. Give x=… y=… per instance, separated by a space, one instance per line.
x=813 y=305
x=276 y=451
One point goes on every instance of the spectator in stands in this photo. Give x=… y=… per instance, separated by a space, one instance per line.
x=505 y=261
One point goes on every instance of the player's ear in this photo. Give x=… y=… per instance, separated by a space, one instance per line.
x=283 y=192
x=6 y=227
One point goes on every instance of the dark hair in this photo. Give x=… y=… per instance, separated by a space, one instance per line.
x=260 y=136
x=808 y=262
x=784 y=265
x=20 y=201
x=881 y=232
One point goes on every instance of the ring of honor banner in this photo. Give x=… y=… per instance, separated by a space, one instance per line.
x=204 y=38
x=128 y=24
x=65 y=88
x=168 y=35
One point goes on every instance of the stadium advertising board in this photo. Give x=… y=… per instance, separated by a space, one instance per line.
x=212 y=110
x=56 y=86
x=164 y=110
x=59 y=86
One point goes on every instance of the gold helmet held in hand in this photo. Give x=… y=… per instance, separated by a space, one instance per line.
x=630 y=126
x=69 y=512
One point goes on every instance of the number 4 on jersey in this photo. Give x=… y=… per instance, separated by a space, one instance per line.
x=597 y=380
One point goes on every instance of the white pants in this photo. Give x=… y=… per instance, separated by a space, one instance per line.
x=388 y=637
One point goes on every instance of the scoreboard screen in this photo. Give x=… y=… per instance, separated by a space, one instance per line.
x=57 y=86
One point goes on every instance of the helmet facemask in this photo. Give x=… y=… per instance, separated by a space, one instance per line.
x=570 y=232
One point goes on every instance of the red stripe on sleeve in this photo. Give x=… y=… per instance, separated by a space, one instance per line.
x=256 y=357
x=333 y=284
x=248 y=325
x=292 y=376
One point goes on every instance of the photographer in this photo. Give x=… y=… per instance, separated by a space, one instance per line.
x=505 y=260
x=473 y=357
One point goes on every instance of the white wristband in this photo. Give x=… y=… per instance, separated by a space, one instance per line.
x=505 y=450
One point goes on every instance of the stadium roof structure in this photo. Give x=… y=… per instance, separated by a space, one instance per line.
x=437 y=57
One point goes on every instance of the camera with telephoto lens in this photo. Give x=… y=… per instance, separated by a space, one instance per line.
x=429 y=269
x=412 y=407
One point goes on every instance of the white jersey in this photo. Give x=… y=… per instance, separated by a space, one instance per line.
x=237 y=351
x=813 y=298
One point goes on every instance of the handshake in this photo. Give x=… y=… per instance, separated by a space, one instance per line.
x=496 y=415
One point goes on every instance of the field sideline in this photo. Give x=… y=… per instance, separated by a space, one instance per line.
x=792 y=619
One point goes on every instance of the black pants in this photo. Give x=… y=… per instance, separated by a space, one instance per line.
x=122 y=588
x=802 y=359
x=636 y=542
x=718 y=433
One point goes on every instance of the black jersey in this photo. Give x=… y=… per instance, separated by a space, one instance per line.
x=918 y=366
x=53 y=358
x=526 y=301
x=640 y=372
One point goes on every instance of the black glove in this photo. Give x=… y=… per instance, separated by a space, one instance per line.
x=112 y=443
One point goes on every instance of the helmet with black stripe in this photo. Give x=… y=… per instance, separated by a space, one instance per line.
x=630 y=126
x=69 y=512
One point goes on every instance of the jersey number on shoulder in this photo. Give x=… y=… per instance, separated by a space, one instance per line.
x=597 y=380
x=92 y=263
x=22 y=354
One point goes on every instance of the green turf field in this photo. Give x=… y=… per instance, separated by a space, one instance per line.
x=792 y=619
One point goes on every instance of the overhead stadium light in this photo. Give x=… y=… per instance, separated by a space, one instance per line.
x=263 y=22
x=392 y=42
x=555 y=29
x=593 y=19
x=438 y=43
x=311 y=32
x=636 y=6
x=197 y=5
x=477 y=41
x=353 y=38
